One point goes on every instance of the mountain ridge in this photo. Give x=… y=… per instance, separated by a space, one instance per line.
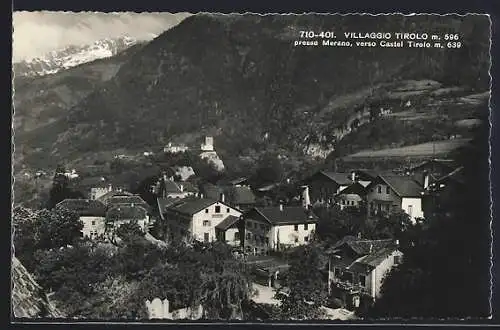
x=72 y=56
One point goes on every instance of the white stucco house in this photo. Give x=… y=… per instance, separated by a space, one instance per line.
x=277 y=228
x=91 y=212
x=388 y=193
x=197 y=218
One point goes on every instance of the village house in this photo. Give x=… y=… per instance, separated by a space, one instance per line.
x=357 y=267
x=175 y=148
x=168 y=188
x=434 y=168
x=441 y=194
x=388 y=193
x=228 y=231
x=352 y=196
x=277 y=228
x=91 y=212
x=363 y=177
x=120 y=214
x=325 y=185
x=197 y=218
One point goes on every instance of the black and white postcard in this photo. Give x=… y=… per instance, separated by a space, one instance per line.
x=205 y=167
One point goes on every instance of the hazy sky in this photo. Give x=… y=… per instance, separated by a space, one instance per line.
x=37 y=33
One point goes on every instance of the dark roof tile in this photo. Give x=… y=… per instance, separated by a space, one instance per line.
x=126 y=212
x=342 y=179
x=190 y=206
x=404 y=186
x=227 y=222
x=84 y=207
x=289 y=215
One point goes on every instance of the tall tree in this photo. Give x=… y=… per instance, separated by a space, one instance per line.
x=308 y=291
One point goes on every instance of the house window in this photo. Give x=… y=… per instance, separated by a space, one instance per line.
x=362 y=280
x=93 y=222
x=306 y=239
x=387 y=191
x=348 y=276
x=206 y=223
x=397 y=260
x=249 y=236
x=217 y=209
x=296 y=239
x=227 y=210
x=305 y=226
x=410 y=209
x=206 y=210
x=237 y=236
x=296 y=227
x=379 y=189
x=336 y=272
x=206 y=237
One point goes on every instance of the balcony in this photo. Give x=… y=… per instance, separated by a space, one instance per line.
x=349 y=286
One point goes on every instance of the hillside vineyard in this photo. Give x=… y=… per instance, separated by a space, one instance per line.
x=252 y=167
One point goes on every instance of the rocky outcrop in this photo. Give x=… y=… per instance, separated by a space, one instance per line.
x=28 y=298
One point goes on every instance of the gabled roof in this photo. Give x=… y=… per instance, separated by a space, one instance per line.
x=370 y=253
x=165 y=203
x=190 y=206
x=369 y=174
x=288 y=216
x=362 y=246
x=126 y=212
x=170 y=186
x=342 y=179
x=104 y=198
x=84 y=207
x=403 y=186
x=132 y=199
x=227 y=222
x=355 y=188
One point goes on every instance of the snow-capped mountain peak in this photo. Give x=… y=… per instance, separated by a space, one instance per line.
x=71 y=56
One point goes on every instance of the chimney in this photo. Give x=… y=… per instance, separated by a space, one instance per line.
x=353 y=176
x=222 y=198
x=110 y=187
x=426 y=180
x=306 y=200
x=397 y=242
x=281 y=206
x=201 y=195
